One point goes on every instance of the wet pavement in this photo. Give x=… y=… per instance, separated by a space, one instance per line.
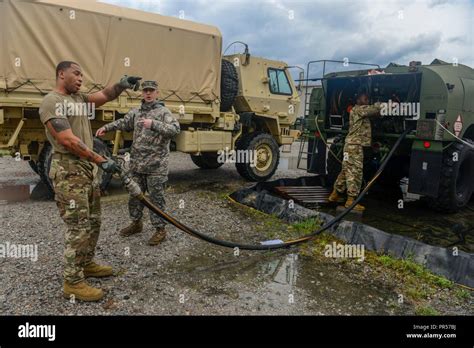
x=287 y=283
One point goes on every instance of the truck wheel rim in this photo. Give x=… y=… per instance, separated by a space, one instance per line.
x=264 y=157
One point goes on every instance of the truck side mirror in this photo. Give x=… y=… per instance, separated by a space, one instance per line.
x=300 y=80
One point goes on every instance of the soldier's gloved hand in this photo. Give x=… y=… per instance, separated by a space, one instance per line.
x=110 y=166
x=130 y=82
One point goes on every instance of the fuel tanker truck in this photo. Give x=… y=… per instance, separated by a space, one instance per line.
x=435 y=102
x=223 y=103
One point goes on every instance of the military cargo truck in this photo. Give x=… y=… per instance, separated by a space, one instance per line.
x=234 y=102
x=437 y=157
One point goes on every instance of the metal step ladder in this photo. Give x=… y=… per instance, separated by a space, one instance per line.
x=302 y=152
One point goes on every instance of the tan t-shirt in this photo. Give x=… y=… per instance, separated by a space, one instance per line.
x=72 y=107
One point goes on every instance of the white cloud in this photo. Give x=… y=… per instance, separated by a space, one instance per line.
x=364 y=30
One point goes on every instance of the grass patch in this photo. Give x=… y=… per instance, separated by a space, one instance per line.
x=462 y=294
x=306 y=226
x=415 y=281
x=417 y=293
x=426 y=310
x=409 y=268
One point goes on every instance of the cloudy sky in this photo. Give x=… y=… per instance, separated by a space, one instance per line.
x=298 y=31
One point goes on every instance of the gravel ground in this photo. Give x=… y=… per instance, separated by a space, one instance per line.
x=184 y=275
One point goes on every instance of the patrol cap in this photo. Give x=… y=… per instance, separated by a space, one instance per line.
x=149 y=84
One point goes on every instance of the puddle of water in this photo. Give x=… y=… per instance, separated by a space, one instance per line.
x=283 y=164
x=16 y=193
x=323 y=288
x=288 y=284
x=283 y=271
x=417 y=221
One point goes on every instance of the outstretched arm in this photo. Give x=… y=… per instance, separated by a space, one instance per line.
x=112 y=92
x=372 y=110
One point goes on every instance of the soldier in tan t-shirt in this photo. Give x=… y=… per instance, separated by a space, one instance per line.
x=55 y=105
x=65 y=113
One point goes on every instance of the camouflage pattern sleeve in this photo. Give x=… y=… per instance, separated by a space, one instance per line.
x=124 y=124
x=371 y=110
x=168 y=128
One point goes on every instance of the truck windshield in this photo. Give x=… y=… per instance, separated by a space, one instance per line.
x=279 y=83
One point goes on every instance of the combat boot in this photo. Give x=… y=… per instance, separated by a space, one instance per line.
x=336 y=197
x=158 y=237
x=135 y=227
x=95 y=270
x=358 y=207
x=82 y=291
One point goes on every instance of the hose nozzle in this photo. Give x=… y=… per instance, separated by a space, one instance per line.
x=131 y=186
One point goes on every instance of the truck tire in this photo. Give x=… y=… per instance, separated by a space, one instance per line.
x=207 y=160
x=267 y=154
x=229 y=85
x=44 y=165
x=455 y=186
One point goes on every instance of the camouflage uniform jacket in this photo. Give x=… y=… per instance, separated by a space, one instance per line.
x=360 y=130
x=150 y=148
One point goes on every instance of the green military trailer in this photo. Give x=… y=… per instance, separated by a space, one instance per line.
x=435 y=102
x=233 y=102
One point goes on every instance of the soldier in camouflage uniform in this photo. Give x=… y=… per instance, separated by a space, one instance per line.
x=153 y=127
x=73 y=173
x=358 y=137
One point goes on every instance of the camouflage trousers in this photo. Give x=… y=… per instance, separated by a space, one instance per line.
x=350 y=177
x=154 y=185
x=77 y=196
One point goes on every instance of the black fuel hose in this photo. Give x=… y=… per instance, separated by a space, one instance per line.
x=135 y=191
